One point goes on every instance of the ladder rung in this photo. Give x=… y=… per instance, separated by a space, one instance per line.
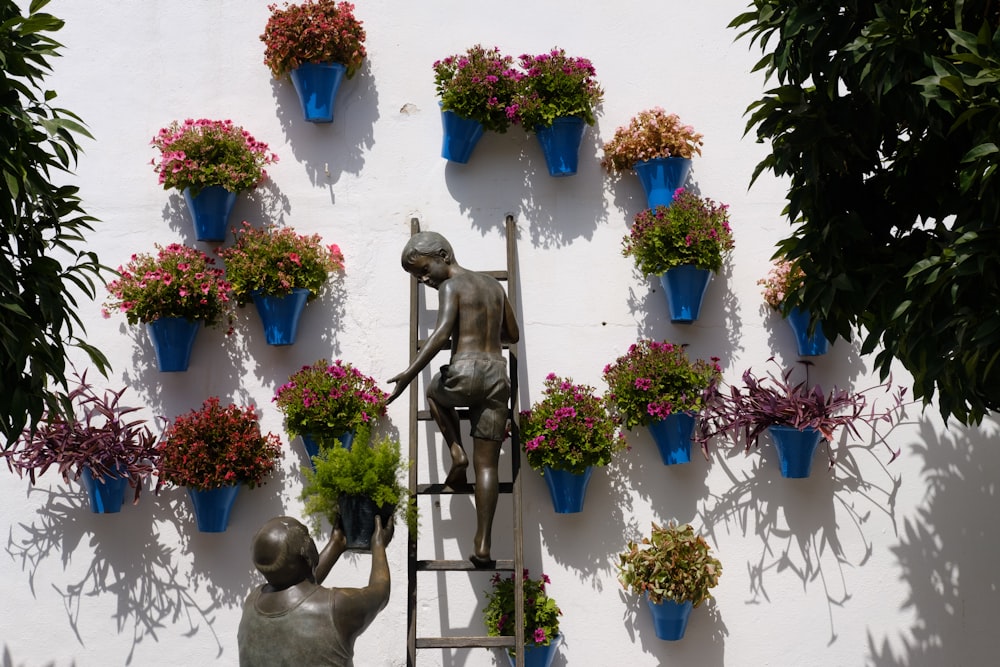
x=503 y=565
x=439 y=489
x=464 y=642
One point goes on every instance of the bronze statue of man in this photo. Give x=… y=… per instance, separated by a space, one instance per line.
x=476 y=316
x=292 y=620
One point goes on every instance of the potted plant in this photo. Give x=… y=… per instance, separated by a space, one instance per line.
x=675 y=570
x=782 y=280
x=476 y=91
x=212 y=452
x=558 y=96
x=356 y=484
x=317 y=43
x=326 y=403
x=565 y=436
x=103 y=446
x=541 y=617
x=173 y=293
x=211 y=162
x=280 y=271
x=656 y=385
x=659 y=147
x=796 y=414
x=683 y=244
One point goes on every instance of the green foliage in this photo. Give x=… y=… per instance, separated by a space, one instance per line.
x=672 y=564
x=555 y=85
x=896 y=229
x=541 y=613
x=366 y=469
x=41 y=224
x=479 y=84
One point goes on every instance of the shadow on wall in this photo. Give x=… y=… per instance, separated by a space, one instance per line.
x=8 y=661
x=703 y=643
x=797 y=521
x=947 y=556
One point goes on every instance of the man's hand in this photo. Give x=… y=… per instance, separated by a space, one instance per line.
x=382 y=536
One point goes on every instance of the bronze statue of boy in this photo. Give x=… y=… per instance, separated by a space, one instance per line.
x=292 y=620
x=476 y=316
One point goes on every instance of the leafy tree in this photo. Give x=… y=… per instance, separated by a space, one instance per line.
x=40 y=222
x=885 y=121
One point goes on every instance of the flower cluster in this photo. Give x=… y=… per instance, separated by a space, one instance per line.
x=570 y=429
x=316 y=31
x=656 y=379
x=650 y=134
x=556 y=85
x=783 y=279
x=217 y=446
x=200 y=153
x=541 y=613
x=275 y=261
x=324 y=400
x=480 y=85
x=692 y=230
x=178 y=282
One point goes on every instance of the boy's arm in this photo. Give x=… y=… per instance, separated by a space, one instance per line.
x=447 y=316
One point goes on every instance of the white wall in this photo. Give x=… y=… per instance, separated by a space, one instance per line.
x=863 y=564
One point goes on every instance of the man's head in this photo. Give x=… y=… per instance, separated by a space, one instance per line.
x=428 y=257
x=283 y=552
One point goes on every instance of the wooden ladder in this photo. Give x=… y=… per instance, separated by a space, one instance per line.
x=513 y=488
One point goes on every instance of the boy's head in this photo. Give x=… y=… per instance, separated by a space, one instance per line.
x=284 y=552
x=426 y=244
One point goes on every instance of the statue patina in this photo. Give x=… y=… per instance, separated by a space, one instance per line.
x=294 y=621
x=476 y=316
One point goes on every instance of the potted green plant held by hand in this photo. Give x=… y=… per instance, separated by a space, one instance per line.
x=541 y=617
x=566 y=435
x=684 y=244
x=784 y=278
x=104 y=446
x=280 y=271
x=210 y=162
x=558 y=97
x=212 y=452
x=327 y=403
x=476 y=90
x=173 y=293
x=675 y=570
x=317 y=43
x=655 y=384
x=357 y=484
x=797 y=415
x=659 y=147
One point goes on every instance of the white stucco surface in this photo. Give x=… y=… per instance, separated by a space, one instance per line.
x=862 y=564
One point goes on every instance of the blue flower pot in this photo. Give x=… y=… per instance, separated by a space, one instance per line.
x=539 y=656
x=106 y=495
x=670 y=618
x=672 y=435
x=280 y=314
x=317 y=85
x=795 y=449
x=660 y=178
x=311 y=445
x=567 y=489
x=460 y=136
x=357 y=516
x=172 y=338
x=809 y=346
x=685 y=288
x=212 y=507
x=210 y=210
x=560 y=144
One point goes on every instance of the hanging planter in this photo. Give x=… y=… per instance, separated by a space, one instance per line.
x=813 y=345
x=460 y=136
x=316 y=85
x=672 y=435
x=795 y=449
x=567 y=489
x=539 y=656
x=210 y=210
x=357 y=515
x=784 y=278
x=560 y=144
x=212 y=507
x=661 y=177
x=541 y=617
x=173 y=340
x=312 y=446
x=685 y=287
x=670 y=618
x=106 y=494
x=280 y=315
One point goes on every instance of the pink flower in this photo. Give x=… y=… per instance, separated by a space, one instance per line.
x=539 y=635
